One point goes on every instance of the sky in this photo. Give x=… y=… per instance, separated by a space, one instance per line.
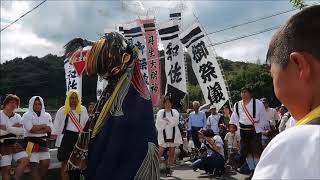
x=53 y=24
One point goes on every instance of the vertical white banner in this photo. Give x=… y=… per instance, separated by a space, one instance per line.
x=101 y=84
x=176 y=15
x=174 y=57
x=133 y=33
x=205 y=65
x=73 y=81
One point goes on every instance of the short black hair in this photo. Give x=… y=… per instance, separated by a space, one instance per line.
x=208 y=133
x=301 y=33
x=246 y=88
x=167 y=98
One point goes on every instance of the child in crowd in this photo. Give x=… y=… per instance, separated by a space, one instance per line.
x=232 y=140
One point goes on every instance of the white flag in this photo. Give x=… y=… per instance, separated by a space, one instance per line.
x=133 y=33
x=174 y=56
x=205 y=65
x=73 y=81
x=101 y=84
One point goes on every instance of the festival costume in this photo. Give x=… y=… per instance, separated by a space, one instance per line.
x=119 y=140
x=251 y=120
x=36 y=144
x=10 y=146
x=67 y=125
x=169 y=134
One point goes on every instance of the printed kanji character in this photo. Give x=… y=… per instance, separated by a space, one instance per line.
x=175 y=73
x=143 y=63
x=154 y=88
x=154 y=75
x=151 y=52
x=150 y=40
x=207 y=71
x=199 y=51
x=140 y=46
x=215 y=94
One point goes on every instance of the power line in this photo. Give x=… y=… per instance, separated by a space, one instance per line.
x=258 y=19
x=23 y=15
x=255 y=33
x=245 y=36
x=252 y=21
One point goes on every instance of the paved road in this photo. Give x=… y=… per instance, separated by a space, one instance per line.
x=184 y=172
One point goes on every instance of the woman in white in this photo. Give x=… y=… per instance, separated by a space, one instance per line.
x=11 y=128
x=169 y=135
x=68 y=123
x=38 y=124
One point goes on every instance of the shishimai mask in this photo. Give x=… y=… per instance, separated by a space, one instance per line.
x=109 y=56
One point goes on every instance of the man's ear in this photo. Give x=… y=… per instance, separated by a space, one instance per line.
x=301 y=64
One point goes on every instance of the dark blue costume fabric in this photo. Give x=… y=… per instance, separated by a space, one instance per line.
x=117 y=152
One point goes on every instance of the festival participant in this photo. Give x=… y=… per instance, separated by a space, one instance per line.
x=197 y=121
x=120 y=139
x=90 y=107
x=11 y=129
x=250 y=115
x=68 y=123
x=38 y=124
x=294 y=57
x=213 y=120
x=169 y=135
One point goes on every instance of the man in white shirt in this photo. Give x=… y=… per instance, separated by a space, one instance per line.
x=294 y=57
x=213 y=120
x=272 y=121
x=250 y=116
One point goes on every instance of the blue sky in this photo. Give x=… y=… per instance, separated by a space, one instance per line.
x=49 y=27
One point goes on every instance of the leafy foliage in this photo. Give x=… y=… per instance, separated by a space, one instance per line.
x=45 y=77
x=298 y=3
x=40 y=76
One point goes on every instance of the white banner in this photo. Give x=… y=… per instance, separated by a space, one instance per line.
x=175 y=14
x=73 y=81
x=174 y=57
x=101 y=84
x=133 y=33
x=205 y=65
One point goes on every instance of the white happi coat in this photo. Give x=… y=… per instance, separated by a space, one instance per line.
x=168 y=126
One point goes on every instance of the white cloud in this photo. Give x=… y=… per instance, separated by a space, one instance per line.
x=21 y=42
x=53 y=24
x=14 y=10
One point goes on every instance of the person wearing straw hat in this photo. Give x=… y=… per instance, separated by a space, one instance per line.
x=294 y=58
x=68 y=123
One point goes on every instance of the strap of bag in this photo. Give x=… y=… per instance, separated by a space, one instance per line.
x=248 y=115
x=173 y=130
x=65 y=123
x=75 y=121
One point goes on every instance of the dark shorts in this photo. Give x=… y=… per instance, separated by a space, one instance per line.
x=250 y=143
x=67 y=144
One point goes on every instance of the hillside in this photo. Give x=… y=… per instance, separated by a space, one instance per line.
x=45 y=77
